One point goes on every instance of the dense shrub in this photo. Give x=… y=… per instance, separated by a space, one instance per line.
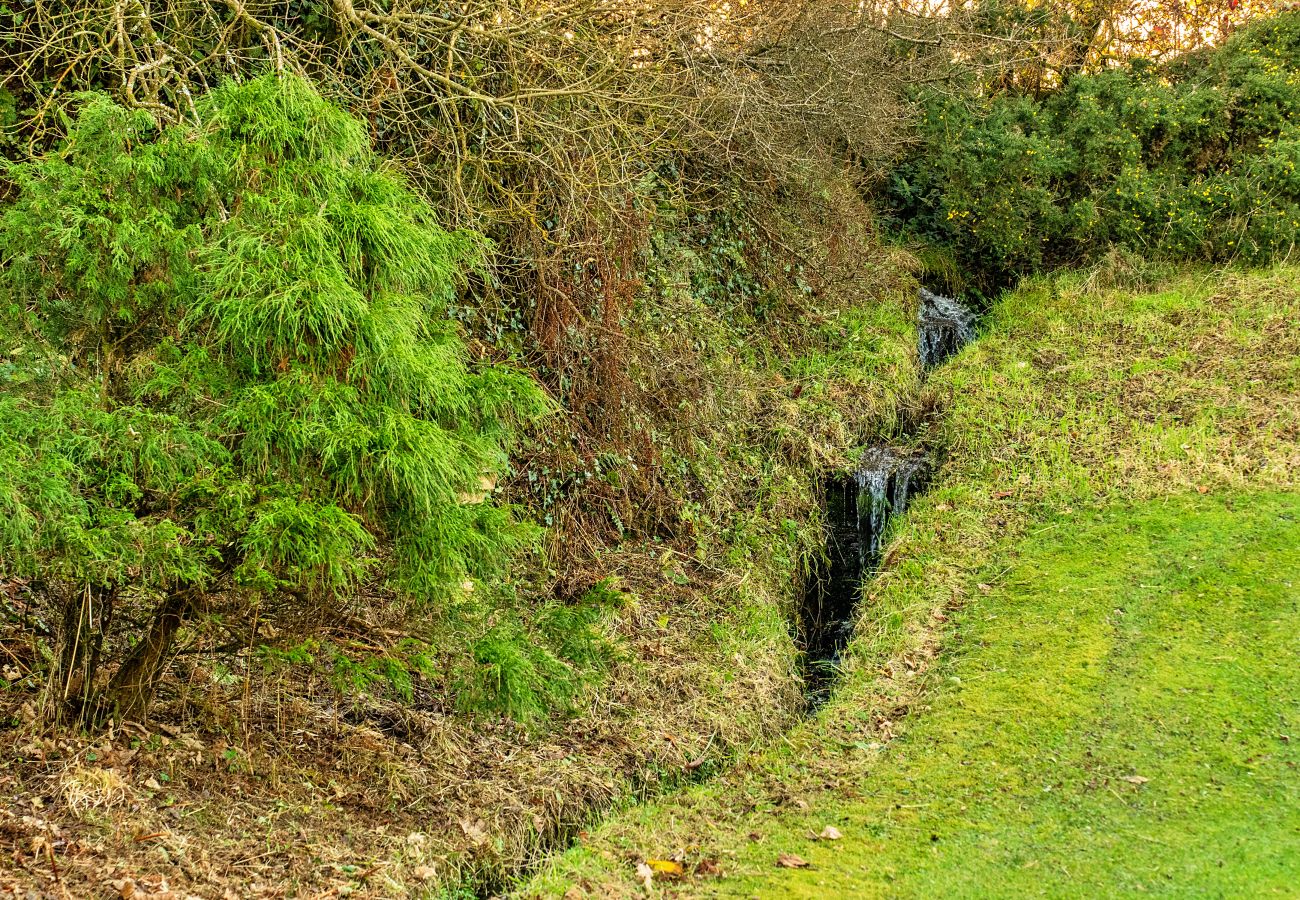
x=235 y=389
x=1195 y=160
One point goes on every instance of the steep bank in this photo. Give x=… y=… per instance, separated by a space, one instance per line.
x=1141 y=418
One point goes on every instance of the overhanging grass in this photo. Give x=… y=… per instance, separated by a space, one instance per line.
x=1147 y=424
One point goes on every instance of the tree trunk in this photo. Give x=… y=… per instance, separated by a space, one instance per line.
x=132 y=689
x=72 y=683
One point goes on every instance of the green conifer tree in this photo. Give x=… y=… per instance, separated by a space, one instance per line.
x=237 y=385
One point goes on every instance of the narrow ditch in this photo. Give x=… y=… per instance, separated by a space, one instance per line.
x=858 y=507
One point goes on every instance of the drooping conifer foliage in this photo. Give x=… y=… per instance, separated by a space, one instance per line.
x=236 y=388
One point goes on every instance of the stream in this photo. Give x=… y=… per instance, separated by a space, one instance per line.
x=859 y=507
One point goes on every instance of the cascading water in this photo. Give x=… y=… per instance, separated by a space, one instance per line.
x=858 y=510
x=945 y=326
x=860 y=506
x=886 y=481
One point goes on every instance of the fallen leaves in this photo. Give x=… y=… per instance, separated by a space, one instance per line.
x=708 y=868
x=665 y=868
x=651 y=870
x=476 y=831
x=658 y=870
x=148 y=886
x=829 y=833
x=1136 y=779
x=791 y=861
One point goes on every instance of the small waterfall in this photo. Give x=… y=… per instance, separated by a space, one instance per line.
x=858 y=511
x=859 y=508
x=945 y=326
x=886 y=480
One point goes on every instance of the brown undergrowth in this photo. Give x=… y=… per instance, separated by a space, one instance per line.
x=283 y=792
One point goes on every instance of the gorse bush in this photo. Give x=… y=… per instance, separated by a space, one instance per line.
x=1195 y=160
x=237 y=396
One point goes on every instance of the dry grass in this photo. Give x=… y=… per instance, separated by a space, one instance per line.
x=83 y=788
x=375 y=797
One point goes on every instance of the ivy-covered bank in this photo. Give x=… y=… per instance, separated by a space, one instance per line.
x=263 y=539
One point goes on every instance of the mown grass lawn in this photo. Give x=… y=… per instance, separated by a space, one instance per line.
x=1119 y=715
x=1079 y=672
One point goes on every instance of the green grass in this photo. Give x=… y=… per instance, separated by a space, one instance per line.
x=1104 y=588
x=1157 y=641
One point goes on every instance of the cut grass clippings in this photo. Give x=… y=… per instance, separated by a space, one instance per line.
x=1075 y=675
